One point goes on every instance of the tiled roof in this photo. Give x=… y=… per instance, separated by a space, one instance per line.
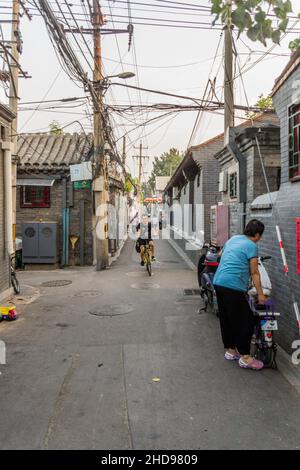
x=264 y=119
x=48 y=152
x=293 y=63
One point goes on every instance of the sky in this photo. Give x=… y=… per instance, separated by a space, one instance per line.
x=169 y=59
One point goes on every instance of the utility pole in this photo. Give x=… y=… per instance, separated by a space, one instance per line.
x=140 y=158
x=124 y=151
x=101 y=194
x=13 y=103
x=228 y=84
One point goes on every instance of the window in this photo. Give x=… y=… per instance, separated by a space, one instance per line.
x=233 y=185
x=198 y=180
x=34 y=196
x=294 y=141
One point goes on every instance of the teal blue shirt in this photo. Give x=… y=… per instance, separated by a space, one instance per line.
x=234 y=268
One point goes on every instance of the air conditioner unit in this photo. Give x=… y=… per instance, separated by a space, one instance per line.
x=39 y=242
x=223 y=177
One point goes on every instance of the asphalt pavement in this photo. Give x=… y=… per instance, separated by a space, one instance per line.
x=118 y=360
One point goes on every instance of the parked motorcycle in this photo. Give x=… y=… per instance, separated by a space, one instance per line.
x=207 y=266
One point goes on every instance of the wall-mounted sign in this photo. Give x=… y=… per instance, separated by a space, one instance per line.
x=82 y=184
x=82 y=171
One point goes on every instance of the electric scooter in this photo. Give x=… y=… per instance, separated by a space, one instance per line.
x=263 y=345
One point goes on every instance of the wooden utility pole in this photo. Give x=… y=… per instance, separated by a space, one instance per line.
x=13 y=100
x=228 y=84
x=124 y=151
x=101 y=188
x=140 y=158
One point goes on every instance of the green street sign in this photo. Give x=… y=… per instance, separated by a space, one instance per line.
x=82 y=184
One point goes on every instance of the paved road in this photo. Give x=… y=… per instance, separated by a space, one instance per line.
x=81 y=380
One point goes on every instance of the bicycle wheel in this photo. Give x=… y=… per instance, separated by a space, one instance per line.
x=15 y=283
x=149 y=265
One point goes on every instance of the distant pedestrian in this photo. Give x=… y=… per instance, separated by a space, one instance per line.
x=239 y=261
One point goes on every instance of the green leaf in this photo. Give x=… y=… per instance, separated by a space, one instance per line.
x=267 y=28
x=248 y=20
x=283 y=24
x=293 y=45
x=280 y=13
x=288 y=6
x=260 y=17
x=238 y=18
x=253 y=32
x=216 y=6
x=276 y=36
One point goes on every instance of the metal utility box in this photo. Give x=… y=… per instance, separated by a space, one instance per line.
x=39 y=242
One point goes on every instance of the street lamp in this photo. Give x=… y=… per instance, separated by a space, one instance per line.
x=123 y=75
x=104 y=83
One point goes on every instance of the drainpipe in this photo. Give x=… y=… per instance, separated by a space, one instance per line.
x=242 y=162
x=7 y=148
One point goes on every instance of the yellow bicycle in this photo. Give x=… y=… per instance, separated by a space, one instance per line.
x=147 y=258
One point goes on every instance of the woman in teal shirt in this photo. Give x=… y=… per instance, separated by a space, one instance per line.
x=239 y=260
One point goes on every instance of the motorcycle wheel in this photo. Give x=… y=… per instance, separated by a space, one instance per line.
x=211 y=303
x=267 y=356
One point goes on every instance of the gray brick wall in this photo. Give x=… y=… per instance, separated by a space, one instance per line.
x=4 y=259
x=287 y=95
x=286 y=209
x=270 y=151
x=207 y=191
x=53 y=213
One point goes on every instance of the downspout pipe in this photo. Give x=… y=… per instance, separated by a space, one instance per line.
x=234 y=150
x=8 y=194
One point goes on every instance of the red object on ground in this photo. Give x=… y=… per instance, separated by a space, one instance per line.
x=12 y=314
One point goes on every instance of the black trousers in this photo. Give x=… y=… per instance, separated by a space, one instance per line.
x=236 y=319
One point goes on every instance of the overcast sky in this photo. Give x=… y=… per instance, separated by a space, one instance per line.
x=176 y=60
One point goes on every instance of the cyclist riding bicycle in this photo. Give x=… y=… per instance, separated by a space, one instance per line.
x=144 y=230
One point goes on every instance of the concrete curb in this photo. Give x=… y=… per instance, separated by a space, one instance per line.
x=290 y=371
x=181 y=253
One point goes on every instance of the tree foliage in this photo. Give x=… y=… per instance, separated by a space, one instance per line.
x=253 y=17
x=147 y=189
x=55 y=128
x=128 y=186
x=263 y=103
x=293 y=45
x=165 y=165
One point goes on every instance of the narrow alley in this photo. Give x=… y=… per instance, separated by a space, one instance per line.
x=118 y=360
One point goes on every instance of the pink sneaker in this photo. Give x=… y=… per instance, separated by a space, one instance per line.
x=232 y=357
x=254 y=364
